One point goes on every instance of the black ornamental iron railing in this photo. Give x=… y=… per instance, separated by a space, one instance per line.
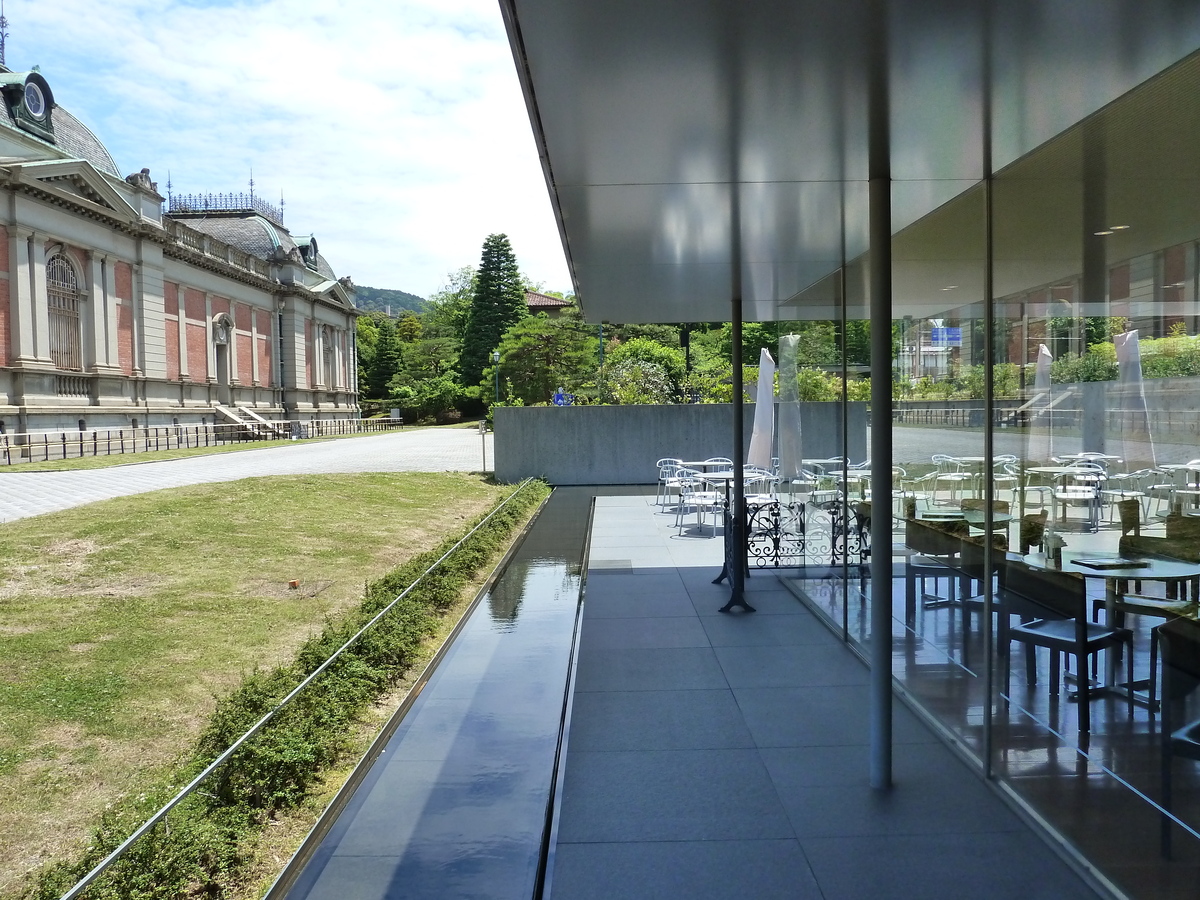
x=800 y=533
x=193 y=203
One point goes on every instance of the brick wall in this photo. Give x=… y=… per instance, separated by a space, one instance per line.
x=171 y=318
x=197 y=351
x=194 y=304
x=125 y=336
x=245 y=365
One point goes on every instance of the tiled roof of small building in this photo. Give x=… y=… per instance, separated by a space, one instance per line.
x=534 y=300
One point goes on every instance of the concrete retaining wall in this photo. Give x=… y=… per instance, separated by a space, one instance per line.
x=620 y=444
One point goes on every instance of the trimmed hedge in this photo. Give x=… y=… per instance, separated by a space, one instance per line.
x=203 y=847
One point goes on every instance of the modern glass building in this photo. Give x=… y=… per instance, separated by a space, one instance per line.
x=1010 y=193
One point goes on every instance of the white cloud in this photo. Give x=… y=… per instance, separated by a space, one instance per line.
x=395 y=130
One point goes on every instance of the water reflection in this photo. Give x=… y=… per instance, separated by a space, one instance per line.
x=550 y=579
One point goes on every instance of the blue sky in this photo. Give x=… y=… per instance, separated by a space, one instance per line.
x=395 y=129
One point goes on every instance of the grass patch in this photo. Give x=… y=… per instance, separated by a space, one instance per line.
x=123 y=621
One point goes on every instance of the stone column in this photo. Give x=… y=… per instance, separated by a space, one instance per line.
x=111 y=357
x=211 y=350
x=150 y=314
x=20 y=287
x=233 y=342
x=91 y=329
x=41 y=309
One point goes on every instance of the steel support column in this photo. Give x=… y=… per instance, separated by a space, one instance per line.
x=880 y=281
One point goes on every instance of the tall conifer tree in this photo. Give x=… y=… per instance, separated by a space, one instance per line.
x=498 y=302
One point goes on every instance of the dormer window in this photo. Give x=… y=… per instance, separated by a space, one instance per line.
x=30 y=102
x=35 y=100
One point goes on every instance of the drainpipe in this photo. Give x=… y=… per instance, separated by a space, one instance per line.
x=880 y=280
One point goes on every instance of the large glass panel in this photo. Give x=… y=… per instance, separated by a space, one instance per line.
x=1096 y=383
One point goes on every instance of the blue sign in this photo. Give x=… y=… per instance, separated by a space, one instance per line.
x=561 y=399
x=946 y=337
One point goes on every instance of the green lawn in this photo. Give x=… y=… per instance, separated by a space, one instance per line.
x=121 y=621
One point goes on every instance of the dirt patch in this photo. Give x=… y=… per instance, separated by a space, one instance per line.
x=281 y=590
x=82 y=648
x=14 y=630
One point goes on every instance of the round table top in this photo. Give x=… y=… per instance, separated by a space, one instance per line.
x=1058 y=470
x=975 y=517
x=1149 y=568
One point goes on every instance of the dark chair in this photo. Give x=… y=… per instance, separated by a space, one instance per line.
x=1180 y=640
x=1183 y=528
x=1056 y=604
x=1130 y=512
x=934 y=546
x=971 y=565
x=1033 y=530
x=1177 y=603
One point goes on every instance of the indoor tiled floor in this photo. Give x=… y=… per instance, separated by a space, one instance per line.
x=716 y=755
x=1096 y=790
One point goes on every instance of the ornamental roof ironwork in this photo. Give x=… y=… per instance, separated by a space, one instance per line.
x=225 y=203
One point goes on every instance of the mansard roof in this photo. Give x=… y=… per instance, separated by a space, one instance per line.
x=71 y=138
x=249 y=232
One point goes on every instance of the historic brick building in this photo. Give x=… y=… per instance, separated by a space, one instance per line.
x=115 y=312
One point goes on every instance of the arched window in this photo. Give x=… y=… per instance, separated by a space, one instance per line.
x=62 y=296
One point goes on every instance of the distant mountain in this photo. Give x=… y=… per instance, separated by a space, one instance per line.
x=379 y=299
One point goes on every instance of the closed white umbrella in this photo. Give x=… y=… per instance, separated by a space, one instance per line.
x=764 y=414
x=790 y=455
x=1137 y=444
x=1041 y=410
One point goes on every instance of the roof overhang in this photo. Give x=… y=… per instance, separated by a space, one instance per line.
x=88 y=187
x=655 y=121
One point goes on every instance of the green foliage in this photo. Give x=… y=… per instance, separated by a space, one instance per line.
x=205 y=844
x=498 y=303
x=449 y=309
x=379 y=299
x=385 y=361
x=634 y=380
x=429 y=396
x=815 y=385
x=643 y=349
x=667 y=335
x=539 y=355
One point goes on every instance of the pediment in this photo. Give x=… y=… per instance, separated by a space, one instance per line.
x=333 y=292
x=74 y=179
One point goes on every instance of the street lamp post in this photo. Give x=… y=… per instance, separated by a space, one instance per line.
x=496 y=372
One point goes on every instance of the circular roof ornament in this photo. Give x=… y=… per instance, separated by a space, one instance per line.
x=35 y=100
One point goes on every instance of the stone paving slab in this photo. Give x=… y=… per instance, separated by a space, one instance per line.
x=25 y=494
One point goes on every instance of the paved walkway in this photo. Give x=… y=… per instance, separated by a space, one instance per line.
x=716 y=756
x=419 y=450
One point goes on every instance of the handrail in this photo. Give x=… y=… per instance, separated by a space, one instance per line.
x=120 y=851
x=42 y=446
